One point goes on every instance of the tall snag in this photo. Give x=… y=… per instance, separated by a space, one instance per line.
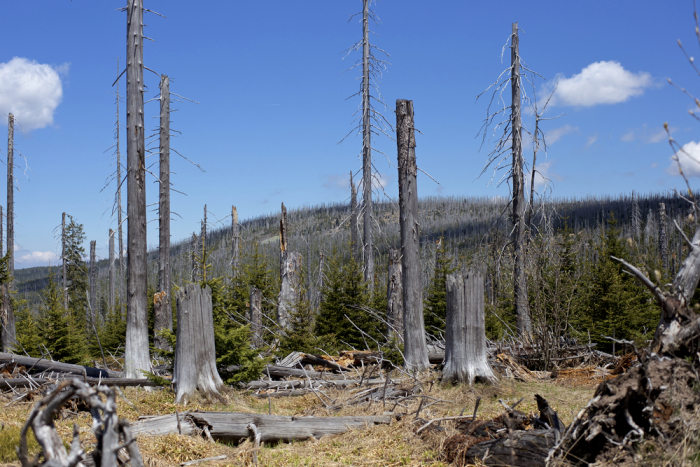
x=415 y=347
x=93 y=282
x=163 y=309
x=136 y=356
x=7 y=317
x=394 y=295
x=290 y=277
x=235 y=254
x=111 y=270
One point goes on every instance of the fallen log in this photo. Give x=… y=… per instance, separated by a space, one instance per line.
x=284 y=372
x=338 y=383
x=16 y=383
x=230 y=427
x=521 y=448
x=316 y=360
x=226 y=426
x=39 y=364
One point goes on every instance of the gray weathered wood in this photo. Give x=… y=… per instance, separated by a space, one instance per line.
x=521 y=448
x=93 y=281
x=16 y=383
x=465 y=339
x=38 y=364
x=112 y=277
x=122 y=263
x=663 y=237
x=289 y=288
x=136 y=354
x=193 y=252
x=522 y=309
x=255 y=317
x=415 y=347
x=204 y=234
x=164 y=425
x=368 y=250
x=353 y=220
x=64 y=261
x=195 y=355
x=163 y=309
x=235 y=253
x=394 y=295
x=7 y=315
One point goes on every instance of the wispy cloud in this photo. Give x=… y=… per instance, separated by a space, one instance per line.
x=31 y=91
x=342 y=182
x=555 y=135
x=543 y=174
x=646 y=135
x=591 y=139
x=689 y=158
x=37 y=258
x=599 y=83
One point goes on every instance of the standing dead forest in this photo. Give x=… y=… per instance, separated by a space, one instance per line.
x=426 y=330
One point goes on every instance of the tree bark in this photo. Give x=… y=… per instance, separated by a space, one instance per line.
x=122 y=263
x=522 y=310
x=289 y=288
x=465 y=339
x=394 y=295
x=204 y=234
x=353 y=219
x=163 y=307
x=41 y=365
x=255 y=317
x=415 y=347
x=111 y=270
x=93 y=282
x=8 y=336
x=193 y=248
x=65 y=264
x=136 y=355
x=195 y=354
x=235 y=258
x=663 y=238
x=367 y=151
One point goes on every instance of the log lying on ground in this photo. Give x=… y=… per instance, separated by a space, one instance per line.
x=39 y=364
x=227 y=426
x=316 y=360
x=284 y=372
x=316 y=382
x=16 y=383
x=522 y=448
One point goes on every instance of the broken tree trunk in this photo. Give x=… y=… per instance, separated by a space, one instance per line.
x=520 y=449
x=93 y=282
x=394 y=295
x=232 y=427
x=163 y=308
x=663 y=238
x=255 y=317
x=193 y=253
x=290 y=277
x=7 y=317
x=353 y=220
x=415 y=347
x=235 y=254
x=136 y=354
x=195 y=355
x=17 y=383
x=465 y=339
x=367 y=150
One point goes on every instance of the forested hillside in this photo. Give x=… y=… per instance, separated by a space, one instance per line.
x=575 y=287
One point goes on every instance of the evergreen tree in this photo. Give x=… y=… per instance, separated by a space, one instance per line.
x=58 y=329
x=77 y=275
x=435 y=302
x=113 y=330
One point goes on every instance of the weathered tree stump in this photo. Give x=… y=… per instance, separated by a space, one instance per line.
x=289 y=288
x=465 y=339
x=195 y=354
x=394 y=295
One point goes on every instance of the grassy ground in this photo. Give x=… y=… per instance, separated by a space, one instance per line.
x=382 y=445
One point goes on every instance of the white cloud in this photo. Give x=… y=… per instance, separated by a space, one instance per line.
x=591 y=139
x=689 y=158
x=31 y=91
x=599 y=83
x=543 y=175
x=628 y=137
x=37 y=258
x=552 y=136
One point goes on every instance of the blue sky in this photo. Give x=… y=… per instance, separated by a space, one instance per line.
x=268 y=76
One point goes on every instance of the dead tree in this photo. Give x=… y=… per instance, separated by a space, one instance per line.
x=136 y=356
x=65 y=261
x=163 y=309
x=193 y=253
x=465 y=339
x=255 y=316
x=235 y=254
x=111 y=270
x=204 y=233
x=93 y=281
x=7 y=318
x=663 y=238
x=353 y=219
x=394 y=295
x=195 y=355
x=415 y=347
x=290 y=277
x=108 y=429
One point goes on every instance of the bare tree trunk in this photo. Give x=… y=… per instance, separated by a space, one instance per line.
x=8 y=335
x=353 y=219
x=320 y=279
x=465 y=339
x=65 y=263
x=163 y=308
x=235 y=254
x=136 y=356
x=636 y=218
x=522 y=310
x=394 y=295
x=663 y=238
x=122 y=263
x=195 y=354
x=193 y=248
x=255 y=316
x=367 y=151
x=289 y=288
x=204 y=232
x=1 y=234
x=415 y=347
x=93 y=282
x=111 y=270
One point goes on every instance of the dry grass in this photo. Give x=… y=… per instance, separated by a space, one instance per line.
x=381 y=445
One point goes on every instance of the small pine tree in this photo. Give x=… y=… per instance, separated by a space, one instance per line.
x=58 y=328
x=435 y=303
